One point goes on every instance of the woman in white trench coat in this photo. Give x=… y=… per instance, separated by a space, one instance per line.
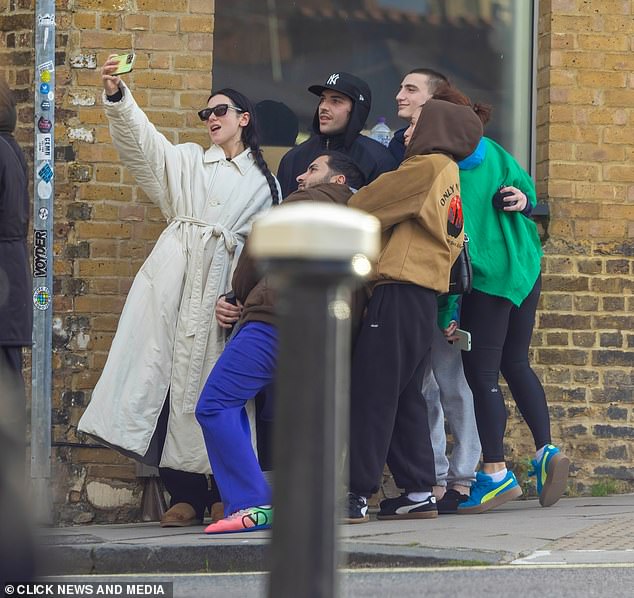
x=168 y=340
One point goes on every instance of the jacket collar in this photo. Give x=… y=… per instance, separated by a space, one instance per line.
x=476 y=158
x=243 y=161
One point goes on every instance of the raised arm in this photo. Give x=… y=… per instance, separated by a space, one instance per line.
x=147 y=153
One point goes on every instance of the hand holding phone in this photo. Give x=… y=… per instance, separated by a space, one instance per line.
x=464 y=339
x=125 y=63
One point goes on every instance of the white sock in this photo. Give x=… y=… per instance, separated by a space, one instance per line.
x=498 y=476
x=540 y=453
x=418 y=496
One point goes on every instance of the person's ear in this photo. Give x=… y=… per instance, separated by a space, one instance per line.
x=340 y=179
x=245 y=119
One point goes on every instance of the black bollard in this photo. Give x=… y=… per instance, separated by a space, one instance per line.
x=312 y=253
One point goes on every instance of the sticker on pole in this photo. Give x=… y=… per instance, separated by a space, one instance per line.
x=49 y=65
x=40 y=253
x=46 y=172
x=42 y=298
x=44 y=190
x=44 y=125
x=44 y=146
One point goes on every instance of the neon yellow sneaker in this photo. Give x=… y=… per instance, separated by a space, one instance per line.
x=487 y=494
x=551 y=472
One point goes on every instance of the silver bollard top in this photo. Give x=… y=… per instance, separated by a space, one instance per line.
x=315 y=231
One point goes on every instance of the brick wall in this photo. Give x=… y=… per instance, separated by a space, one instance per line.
x=584 y=341
x=104 y=226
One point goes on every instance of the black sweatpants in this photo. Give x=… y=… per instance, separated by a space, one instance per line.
x=500 y=339
x=388 y=415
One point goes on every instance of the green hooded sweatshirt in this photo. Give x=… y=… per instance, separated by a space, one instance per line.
x=504 y=246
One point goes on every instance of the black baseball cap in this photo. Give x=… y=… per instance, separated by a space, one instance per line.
x=353 y=87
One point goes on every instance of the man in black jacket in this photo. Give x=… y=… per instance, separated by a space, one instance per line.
x=344 y=105
x=16 y=313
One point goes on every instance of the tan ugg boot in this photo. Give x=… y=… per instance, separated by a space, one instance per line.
x=181 y=514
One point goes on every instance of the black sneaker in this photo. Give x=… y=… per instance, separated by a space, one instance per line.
x=404 y=508
x=356 y=509
x=448 y=504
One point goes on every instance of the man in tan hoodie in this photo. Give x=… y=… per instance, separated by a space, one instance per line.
x=422 y=234
x=247 y=366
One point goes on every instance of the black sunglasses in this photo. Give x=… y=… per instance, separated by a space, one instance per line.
x=219 y=110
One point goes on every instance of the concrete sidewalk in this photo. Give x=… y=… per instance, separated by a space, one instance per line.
x=574 y=531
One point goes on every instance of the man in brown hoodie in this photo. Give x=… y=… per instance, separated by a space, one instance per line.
x=247 y=366
x=421 y=216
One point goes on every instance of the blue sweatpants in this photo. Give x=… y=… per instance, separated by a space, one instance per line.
x=246 y=366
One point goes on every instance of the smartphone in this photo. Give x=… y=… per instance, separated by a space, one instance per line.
x=464 y=339
x=125 y=63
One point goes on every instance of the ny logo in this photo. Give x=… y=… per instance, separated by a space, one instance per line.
x=332 y=80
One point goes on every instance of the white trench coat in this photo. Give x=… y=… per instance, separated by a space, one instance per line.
x=168 y=337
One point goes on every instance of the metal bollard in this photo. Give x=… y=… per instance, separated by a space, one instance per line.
x=312 y=253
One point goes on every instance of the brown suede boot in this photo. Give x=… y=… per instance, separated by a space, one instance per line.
x=181 y=514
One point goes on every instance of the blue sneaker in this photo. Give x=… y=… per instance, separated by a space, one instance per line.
x=551 y=472
x=487 y=494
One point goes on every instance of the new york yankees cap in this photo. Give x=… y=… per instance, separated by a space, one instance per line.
x=356 y=89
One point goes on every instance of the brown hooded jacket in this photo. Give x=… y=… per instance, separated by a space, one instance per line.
x=419 y=203
x=249 y=286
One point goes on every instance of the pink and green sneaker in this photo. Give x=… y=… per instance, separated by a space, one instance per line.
x=252 y=519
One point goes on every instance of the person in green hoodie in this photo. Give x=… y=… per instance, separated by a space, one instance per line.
x=497 y=197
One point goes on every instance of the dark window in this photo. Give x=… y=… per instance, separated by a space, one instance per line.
x=275 y=49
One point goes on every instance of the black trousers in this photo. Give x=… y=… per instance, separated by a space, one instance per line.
x=198 y=489
x=388 y=415
x=500 y=341
x=17 y=552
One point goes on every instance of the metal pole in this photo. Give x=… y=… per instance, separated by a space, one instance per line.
x=310 y=253
x=43 y=185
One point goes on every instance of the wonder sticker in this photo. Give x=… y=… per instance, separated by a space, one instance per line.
x=42 y=298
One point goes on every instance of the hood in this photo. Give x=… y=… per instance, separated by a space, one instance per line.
x=445 y=128
x=7 y=108
x=359 y=92
x=476 y=158
x=324 y=192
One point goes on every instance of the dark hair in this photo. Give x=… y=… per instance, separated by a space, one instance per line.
x=250 y=136
x=448 y=93
x=278 y=124
x=435 y=78
x=339 y=163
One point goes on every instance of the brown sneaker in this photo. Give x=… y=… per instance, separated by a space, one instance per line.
x=181 y=514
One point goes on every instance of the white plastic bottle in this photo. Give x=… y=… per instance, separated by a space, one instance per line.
x=381 y=132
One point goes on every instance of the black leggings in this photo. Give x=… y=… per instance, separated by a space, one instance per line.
x=500 y=339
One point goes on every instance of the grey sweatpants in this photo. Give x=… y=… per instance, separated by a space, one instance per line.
x=448 y=396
